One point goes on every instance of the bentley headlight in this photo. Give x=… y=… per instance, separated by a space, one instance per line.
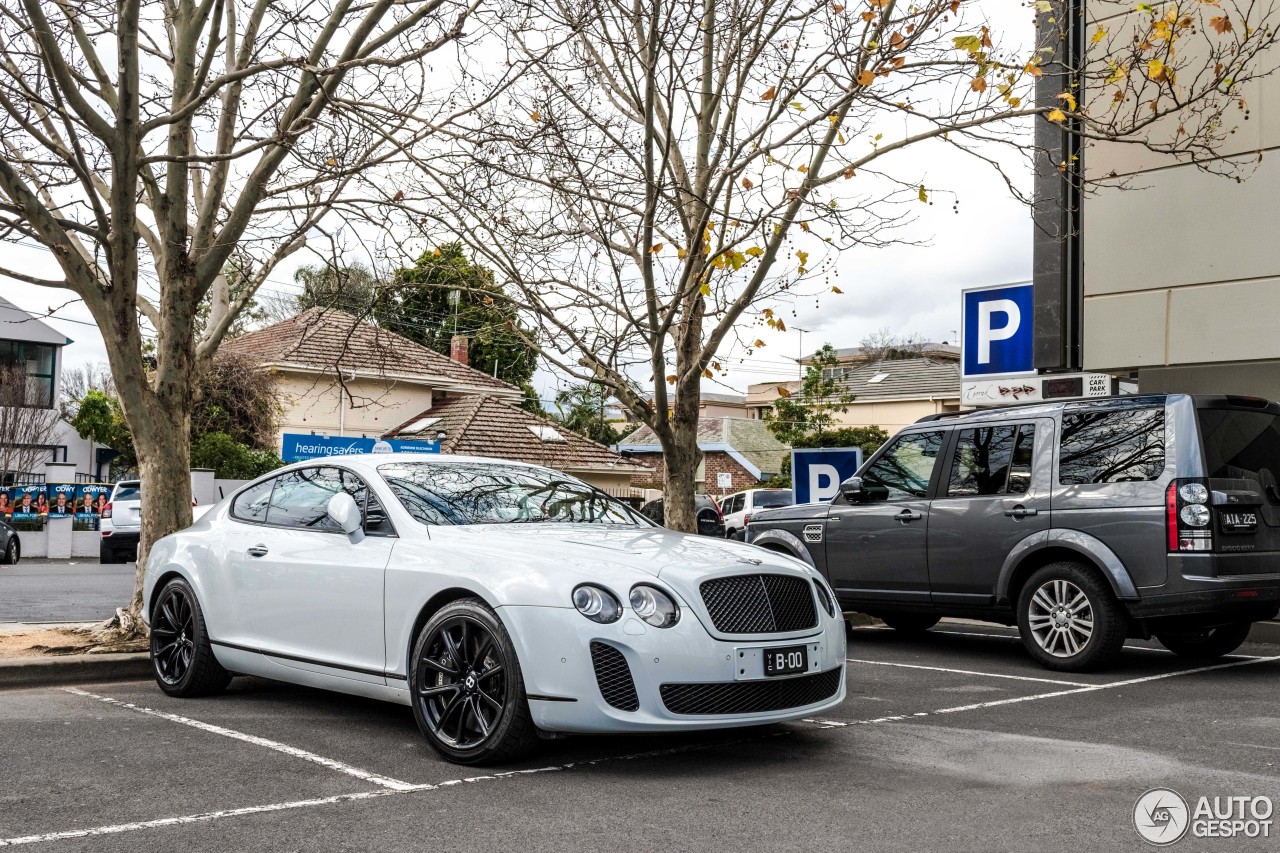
x=654 y=606
x=597 y=604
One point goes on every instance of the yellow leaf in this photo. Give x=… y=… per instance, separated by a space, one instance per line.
x=769 y=93
x=837 y=8
x=746 y=183
x=755 y=251
x=896 y=41
x=1056 y=115
x=1033 y=70
x=332 y=162
x=655 y=248
x=707 y=373
x=1015 y=102
x=835 y=289
x=783 y=392
x=1098 y=35
x=848 y=172
x=1070 y=99
x=682 y=253
x=802 y=168
x=759 y=343
x=1156 y=70
x=922 y=195
x=780 y=326
x=868 y=16
x=716 y=365
x=804 y=226
x=671 y=379
x=1222 y=24
x=978 y=84
x=534 y=115
x=803 y=256
x=866 y=78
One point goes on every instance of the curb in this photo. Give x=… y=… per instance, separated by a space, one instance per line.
x=72 y=669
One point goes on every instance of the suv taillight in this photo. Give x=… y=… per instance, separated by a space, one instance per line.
x=746 y=519
x=106 y=511
x=1187 y=516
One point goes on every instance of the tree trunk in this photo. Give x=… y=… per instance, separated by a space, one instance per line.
x=682 y=457
x=162 y=438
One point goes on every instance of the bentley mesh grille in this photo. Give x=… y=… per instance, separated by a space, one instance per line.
x=614 y=677
x=751 y=697
x=759 y=604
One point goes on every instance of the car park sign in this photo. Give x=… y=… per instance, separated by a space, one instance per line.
x=997 y=334
x=816 y=473
x=299 y=447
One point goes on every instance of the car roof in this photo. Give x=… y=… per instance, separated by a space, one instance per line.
x=1046 y=408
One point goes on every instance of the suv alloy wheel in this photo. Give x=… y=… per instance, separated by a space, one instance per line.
x=1068 y=618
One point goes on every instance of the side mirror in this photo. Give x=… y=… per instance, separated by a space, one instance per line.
x=344 y=512
x=852 y=490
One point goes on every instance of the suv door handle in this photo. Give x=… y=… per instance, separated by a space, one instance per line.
x=907 y=515
x=258 y=551
x=1021 y=511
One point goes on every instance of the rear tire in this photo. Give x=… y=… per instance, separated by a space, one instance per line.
x=1069 y=620
x=467 y=689
x=12 y=552
x=1207 y=643
x=181 y=655
x=910 y=623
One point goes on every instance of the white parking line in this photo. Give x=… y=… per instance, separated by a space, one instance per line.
x=1091 y=688
x=1015 y=636
x=969 y=672
x=332 y=764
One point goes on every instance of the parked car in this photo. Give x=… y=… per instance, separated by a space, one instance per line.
x=10 y=545
x=710 y=518
x=1083 y=523
x=121 y=523
x=497 y=599
x=739 y=507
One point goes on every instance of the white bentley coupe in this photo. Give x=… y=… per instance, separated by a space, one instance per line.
x=499 y=600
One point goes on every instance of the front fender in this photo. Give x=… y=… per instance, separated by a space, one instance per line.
x=786 y=541
x=1088 y=547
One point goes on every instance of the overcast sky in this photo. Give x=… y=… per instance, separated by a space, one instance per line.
x=906 y=289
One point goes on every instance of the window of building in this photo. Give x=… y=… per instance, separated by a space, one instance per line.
x=1115 y=446
x=36 y=364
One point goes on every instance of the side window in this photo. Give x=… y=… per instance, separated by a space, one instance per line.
x=992 y=461
x=1118 y=446
x=251 y=504
x=301 y=498
x=981 y=464
x=737 y=504
x=375 y=518
x=904 y=470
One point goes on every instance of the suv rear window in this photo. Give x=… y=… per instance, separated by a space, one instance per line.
x=773 y=498
x=1116 y=446
x=1241 y=445
x=128 y=492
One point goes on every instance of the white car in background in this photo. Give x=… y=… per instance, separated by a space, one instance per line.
x=737 y=508
x=496 y=599
x=121 y=522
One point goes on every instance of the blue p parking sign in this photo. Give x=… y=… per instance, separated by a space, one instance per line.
x=816 y=473
x=998 y=332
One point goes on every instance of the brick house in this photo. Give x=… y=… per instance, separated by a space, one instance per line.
x=740 y=447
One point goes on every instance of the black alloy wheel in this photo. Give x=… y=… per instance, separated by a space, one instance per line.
x=181 y=655
x=468 y=695
x=11 y=552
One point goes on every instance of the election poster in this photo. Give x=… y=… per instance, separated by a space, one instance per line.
x=90 y=498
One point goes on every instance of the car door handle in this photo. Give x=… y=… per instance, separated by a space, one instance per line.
x=907 y=515
x=1021 y=511
x=258 y=551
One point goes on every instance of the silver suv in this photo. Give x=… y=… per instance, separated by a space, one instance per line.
x=1083 y=523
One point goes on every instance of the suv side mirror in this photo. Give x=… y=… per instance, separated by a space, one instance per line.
x=344 y=512
x=852 y=490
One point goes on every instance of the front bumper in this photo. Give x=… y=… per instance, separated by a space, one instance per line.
x=553 y=645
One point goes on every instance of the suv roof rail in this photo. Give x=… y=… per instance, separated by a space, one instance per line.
x=937 y=416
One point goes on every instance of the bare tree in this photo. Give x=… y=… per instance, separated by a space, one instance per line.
x=664 y=170
x=78 y=381
x=173 y=154
x=27 y=428
x=886 y=344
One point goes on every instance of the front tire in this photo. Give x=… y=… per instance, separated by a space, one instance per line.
x=910 y=623
x=1207 y=643
x=12 y=552
x=181 y=655
x=467 y=687
x=1069 y=620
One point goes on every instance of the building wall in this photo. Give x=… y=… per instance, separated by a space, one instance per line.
x=713 y=463
x=1182 y=269
x=368 y=407
x=892 y=416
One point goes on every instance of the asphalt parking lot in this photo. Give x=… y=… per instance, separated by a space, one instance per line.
x=951 y=741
